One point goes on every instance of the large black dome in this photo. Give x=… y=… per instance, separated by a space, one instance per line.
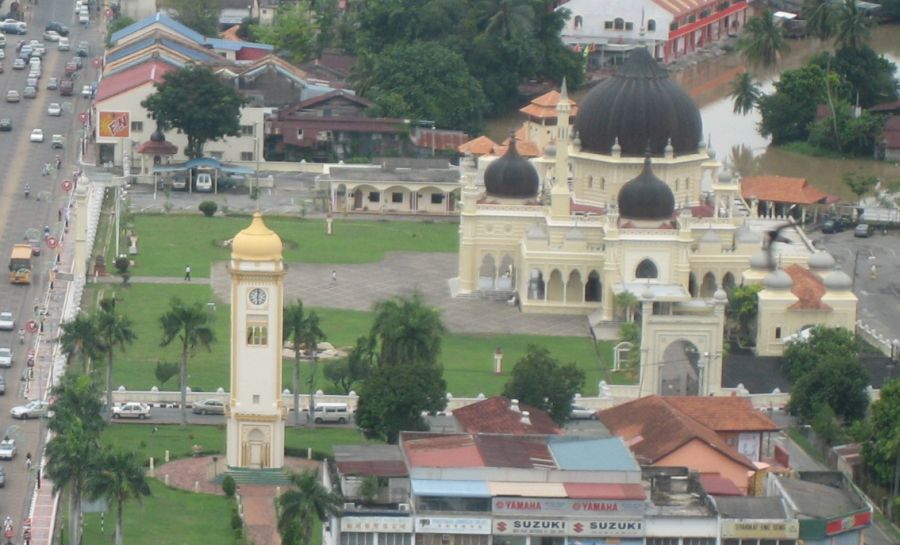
x=639 y=104
x=511 y=175
x=646 y=197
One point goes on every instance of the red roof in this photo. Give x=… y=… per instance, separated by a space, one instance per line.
x=426 y=449
x=494 y=415
x=478 y=146
x=606 y=491
x=894 y=105
x=781 y=189
x=120 y=82
x=378 y=468
x=440 y=139
x=654 y=428
x=716 y=485
x=723 y=414
x=544 y=106
x=808 y=288
x=443 y=451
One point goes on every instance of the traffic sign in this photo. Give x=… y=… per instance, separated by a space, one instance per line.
x=96 y=61
x=66 y=185
x=83 y=116
x=52 y=242
x=31 y=326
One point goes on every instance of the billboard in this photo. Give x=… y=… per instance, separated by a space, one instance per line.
x=114 y=124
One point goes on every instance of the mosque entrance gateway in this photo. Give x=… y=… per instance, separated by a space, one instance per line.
x=680 y=370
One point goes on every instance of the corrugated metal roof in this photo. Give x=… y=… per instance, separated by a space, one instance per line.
x=606 y=491
x=161 y=18
x=453 y=489
x=534 y=490
x=576 y=453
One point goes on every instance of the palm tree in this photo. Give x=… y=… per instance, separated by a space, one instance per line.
x=762 y=40
x=819 y=16
x=311 y=335
x=299 y=508
x=119 y=478
x=409 y=330
x=744 y=92
x=293 y=332
x=71 y=458
x=853 y=27
x=627 y=302
x=189 y=324
x=81 y=339
x=113 y=330
x=508 y=18
x=76 y=397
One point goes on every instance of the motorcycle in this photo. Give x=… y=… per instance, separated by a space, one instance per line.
x=27 y=191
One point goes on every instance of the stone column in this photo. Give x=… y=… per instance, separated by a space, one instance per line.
x=81 y=226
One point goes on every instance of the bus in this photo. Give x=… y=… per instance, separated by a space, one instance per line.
x=20 y=264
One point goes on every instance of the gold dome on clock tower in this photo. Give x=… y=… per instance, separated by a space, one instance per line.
x=257 y=242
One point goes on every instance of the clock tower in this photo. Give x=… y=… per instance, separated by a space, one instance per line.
x=256 y=414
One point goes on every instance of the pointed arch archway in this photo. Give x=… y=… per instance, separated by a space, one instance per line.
x=487 y=273
x=679 y=373
x=593 y=289
x=555 y=286
x=728 y=282
x=708 y=287
x=536 y=285
x=574 y=288
x=507 y=274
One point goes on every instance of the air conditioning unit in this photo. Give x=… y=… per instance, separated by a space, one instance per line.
x=403 y=507
x=349 y=506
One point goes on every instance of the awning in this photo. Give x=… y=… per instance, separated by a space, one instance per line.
x=661 y=292
x=204 y=162
x=452 y=489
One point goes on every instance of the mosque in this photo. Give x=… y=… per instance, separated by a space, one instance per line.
x=627 y=199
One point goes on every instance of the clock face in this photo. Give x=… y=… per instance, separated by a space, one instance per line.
x=257 y=296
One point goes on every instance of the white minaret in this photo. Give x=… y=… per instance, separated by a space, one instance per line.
x=256 y=415
x=559 y=193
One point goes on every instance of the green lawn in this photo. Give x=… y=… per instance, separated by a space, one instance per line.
x=166 y=243
x=467 y=359
x=167 y=516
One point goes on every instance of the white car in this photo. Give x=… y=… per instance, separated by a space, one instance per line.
x=64 y=44
x=582 y=413
x=51 y=36
x=84 y=18
x=7 y=449
x=7 y=322
x=37 y=135
x=54 y=109
x=6 y=357
x=131 y=410
x=33 y=409
x=86 y=91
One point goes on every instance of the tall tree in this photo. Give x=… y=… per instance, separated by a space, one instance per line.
x=312 y=335
x=743 y=306
x=114 y=330
x=408 y=331
x=882 y=451
x=76 y=397
x=853 y=27
x=540 y=380
x=80 y=339
x=300 y=507
x=197 y=103
x=293 y=320
x=762 y=41
x=859 y=184
x=119 y=478
x=200 y=15
x=291 y=33
x=508 y=19
x=626 y=302
x=801 y=356
x=190 y=326
x=820 y=18
x=355 y=367
x=835 y=382
x=744 y=93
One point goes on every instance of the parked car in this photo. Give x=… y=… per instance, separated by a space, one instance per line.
x=2 y=41
x=2 y=385
x=32 y=409
x=582 y=413
x=5 y=124
x=7 y=322
x=209 y=406
x=86 y=91
x=59 y=28
x=37 y=135
x=7 y=449
x=131 y=410
x=71 y=68
x=2 y=478
x=864 y=230
x=19 y=64
x=51 y=36
x=834 y=225
x=6 y=357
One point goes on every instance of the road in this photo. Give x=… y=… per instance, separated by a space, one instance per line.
x=22 y=162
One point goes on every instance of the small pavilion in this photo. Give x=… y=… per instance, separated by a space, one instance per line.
x=203 y=164
x=773 y=196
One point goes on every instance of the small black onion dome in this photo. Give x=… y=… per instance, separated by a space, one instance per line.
x=157 y=136
x=639 y=104
x=646 y=197
x=511 y=175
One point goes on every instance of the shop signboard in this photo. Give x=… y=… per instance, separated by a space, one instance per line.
x=850 y=522
x=395 y=525
x=760 y=529
x=452 y=525
x=568 y=507
x=621 y=527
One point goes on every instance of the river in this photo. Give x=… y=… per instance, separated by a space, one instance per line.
x=709 y=84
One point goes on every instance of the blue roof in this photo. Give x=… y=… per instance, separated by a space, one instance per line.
x=452 y=489
x=128 y=49
x=204 y=162
x=174 y=45
x=585 y=453
x=189 y=33
x=232 y=45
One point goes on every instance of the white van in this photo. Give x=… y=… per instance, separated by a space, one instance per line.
x=332 y=412
x=204 y=182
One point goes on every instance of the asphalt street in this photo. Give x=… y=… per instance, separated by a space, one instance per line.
x=20 y=218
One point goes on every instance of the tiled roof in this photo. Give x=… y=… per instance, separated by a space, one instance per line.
x=654 y=429
x=494 y=415
x=886 y=106
x=723 y=413
x=781 y=189
x=544 y=106
x=440 y=139
x=477 y=450
x=478 y=146
x=808 y=288
x=526 y=148
x=377 y=468
x=126 y=80
x=716 y=485
x=442 y=451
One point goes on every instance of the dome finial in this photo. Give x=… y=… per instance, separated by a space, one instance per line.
x=564 y=91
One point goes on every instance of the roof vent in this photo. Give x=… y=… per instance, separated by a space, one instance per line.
x=526 y=418
x=514 y=405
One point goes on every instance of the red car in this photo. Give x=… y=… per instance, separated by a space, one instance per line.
x=35 y=249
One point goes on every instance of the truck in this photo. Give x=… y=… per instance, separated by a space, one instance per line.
x=20 y=264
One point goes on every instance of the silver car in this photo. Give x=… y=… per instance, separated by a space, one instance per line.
x=33 y=409
x=6 y=357
x=7 y=322
x=208 y=406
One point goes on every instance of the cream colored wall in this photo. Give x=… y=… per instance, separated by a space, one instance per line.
x=773 y=313
x=698 y=456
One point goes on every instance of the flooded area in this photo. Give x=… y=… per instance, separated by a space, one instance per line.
x=734 y=137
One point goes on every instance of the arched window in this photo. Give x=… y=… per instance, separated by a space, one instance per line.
x=646 y=269
x=651 y=25
x=590 y=181
x=603 y=183
x=619 y=23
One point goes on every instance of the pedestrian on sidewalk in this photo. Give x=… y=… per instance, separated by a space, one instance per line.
x=333 y=275
x=28 y=461
x=187 y=273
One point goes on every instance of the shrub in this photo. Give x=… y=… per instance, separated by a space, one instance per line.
x=236 y=522
x=208 y=208
x=229 y=486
